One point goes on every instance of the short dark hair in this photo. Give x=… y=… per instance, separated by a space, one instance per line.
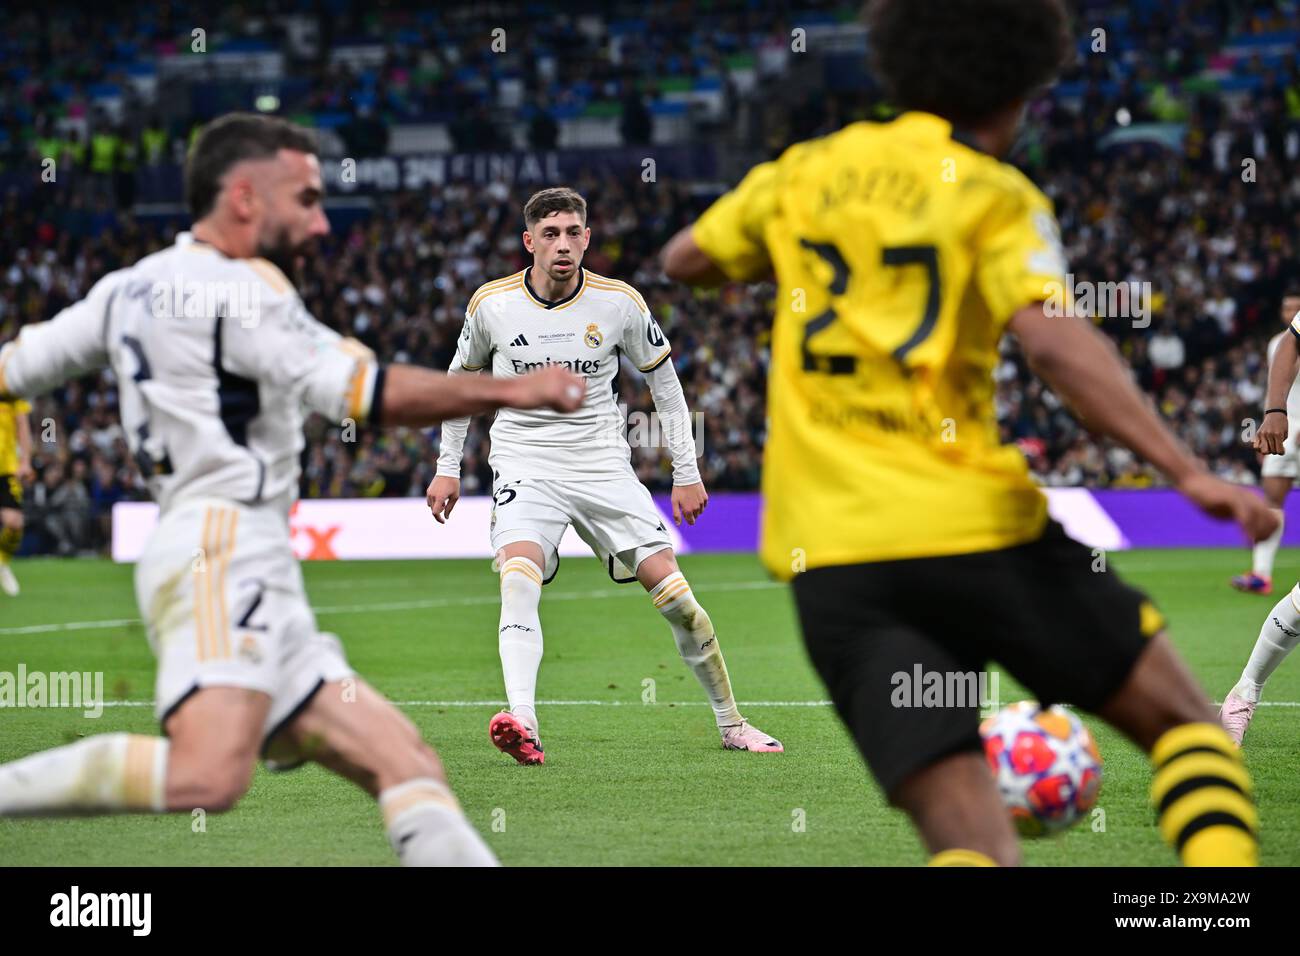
x=966 y=60
x=231 y=139
x=546 y=202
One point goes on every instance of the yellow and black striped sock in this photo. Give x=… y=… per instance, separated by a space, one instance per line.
x=10 y=539
x=959 y=857
x=1202 y=796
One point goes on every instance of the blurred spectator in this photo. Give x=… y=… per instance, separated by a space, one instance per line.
x=543 y=131
x=1214 y=252
x=1166 y=350
x=636 y=124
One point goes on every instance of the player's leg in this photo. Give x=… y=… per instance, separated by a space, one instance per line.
x=1202 y=790
x=1281 y=628
x=1278 y=637
x=205 y=762
x=974 y=830
x=351 y=729
x=528 y=522
x=927 y=759
x=1280 y=631
x=1278 y=474
x=519 y=642
x=212 y=701
x=697 y=643
x=215 y=735
x=11 y=531
x=1088 y=638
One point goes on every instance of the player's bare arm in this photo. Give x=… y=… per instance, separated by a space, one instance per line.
x=1281 y=376
x=25 y=472
x=1083 y=367
x=418 y=396
x=684 y=261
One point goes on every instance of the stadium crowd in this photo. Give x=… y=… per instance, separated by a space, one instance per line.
x=1211 y=248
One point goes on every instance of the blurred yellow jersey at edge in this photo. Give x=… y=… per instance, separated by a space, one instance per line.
x=9 y=412
x=900 y=254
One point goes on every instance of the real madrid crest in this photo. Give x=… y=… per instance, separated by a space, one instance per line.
x=593 y=337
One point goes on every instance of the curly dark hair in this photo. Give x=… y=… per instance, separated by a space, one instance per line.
x=966 y=60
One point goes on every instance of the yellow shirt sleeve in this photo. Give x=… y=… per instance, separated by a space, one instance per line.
x=22 y=407
x=731 y=230
x=1019 y=260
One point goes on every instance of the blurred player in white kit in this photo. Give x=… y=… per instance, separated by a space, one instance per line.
x=216 y=359
x=1277 y=474
x=1278 y=440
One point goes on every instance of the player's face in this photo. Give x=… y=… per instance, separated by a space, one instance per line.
x=291 y=196
x=1290 y=306
x=558 y=243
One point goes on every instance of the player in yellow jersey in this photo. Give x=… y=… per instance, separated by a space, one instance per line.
x=902 y=252
x=15 y=469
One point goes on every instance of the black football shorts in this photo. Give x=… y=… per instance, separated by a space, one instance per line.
x=11 y=492
x=877 y=631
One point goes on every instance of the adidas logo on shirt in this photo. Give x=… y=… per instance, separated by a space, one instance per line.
x=519 y=340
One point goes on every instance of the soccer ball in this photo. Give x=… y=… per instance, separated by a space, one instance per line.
x=1045 y=763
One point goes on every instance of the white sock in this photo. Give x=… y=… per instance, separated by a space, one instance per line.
x=697 y=644
x=1277 y=638
x=426 y=827
x=1265 y=551
x=101 y=774
x=519 y=639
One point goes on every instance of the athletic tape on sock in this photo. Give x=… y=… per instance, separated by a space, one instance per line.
x=405 y=797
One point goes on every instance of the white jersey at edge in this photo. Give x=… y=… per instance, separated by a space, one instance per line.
x=215 y=360
x=510 y=327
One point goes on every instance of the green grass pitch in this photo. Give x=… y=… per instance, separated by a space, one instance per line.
x=625 y=782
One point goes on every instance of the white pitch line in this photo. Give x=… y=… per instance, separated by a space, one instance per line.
x=555 y=703
x=623 y=703
x=69 y=626
x=392 y=606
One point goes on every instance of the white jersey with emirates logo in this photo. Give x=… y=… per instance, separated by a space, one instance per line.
x=512 y=330
x=215 y=360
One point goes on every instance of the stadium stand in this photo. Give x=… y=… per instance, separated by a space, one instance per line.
x=1178 y=181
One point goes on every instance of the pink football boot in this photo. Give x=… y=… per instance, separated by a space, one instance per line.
x=511 y=735
x=1235 y=716
x=1252 y=583
x=745 y=736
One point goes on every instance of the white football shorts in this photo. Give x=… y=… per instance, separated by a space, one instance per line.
x=222 y=598
x=616 y=517
x=1287 y=464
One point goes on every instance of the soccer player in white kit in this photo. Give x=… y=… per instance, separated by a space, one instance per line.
x=553 y=469
x=1276 y=438
x=216 y=359
x=1277 y=474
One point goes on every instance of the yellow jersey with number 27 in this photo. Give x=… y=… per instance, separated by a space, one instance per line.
x=900 y=253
